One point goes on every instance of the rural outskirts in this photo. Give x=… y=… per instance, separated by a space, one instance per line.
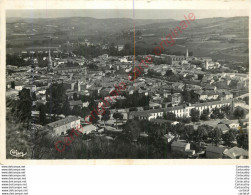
x=170 y=38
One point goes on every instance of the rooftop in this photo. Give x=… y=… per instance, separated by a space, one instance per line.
x=63 y=121
x=236 y=152
x=215 y=149
x=179 y=144
x=75 y=103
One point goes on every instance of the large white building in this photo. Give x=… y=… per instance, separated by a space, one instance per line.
x=61 y=126
x=179 y=111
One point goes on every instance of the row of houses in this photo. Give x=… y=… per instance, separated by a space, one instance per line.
x=183 y=149
x=179 y=111
x=213 y=95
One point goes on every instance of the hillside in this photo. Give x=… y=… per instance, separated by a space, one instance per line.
x=215 y=37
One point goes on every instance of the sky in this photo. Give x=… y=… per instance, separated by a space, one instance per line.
x=139 y=14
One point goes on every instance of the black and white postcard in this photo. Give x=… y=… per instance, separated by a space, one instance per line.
x=127 y=81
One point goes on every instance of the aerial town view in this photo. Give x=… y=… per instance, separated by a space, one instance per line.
x=109 y=85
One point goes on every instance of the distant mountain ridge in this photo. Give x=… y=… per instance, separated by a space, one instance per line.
x=221 y=38
x=89 y=24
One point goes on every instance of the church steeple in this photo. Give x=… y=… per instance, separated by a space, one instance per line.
x=84 y=76
x=49 y=61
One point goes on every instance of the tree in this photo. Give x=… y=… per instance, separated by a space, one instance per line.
x=239 y=113
x=186 y=96
x=132 y=130
x=194 y=96
x=12 y=84
x=164 y=115
x=42 y=114
x=226 y=109
x=186 y=119
x=246 y=99
x=138 y=33
x=189 y=133
x=195 y=115
x=177 y=130
x=117 y=116
x=215 y=113
x=200 y=76
x=66 y=110
x=112 y=50
x=92 y=66
x=216 y=135
x=33 y=96
x=42 y=144
x=221 y=115
x=15 y=60
x=205 y=115
x=242 y=140
x=106 y=116
x=155 y=137
x=94 y=118
x=133 y=109
x=94 y=113
x=213 y=116
x=146 y=108
x=56 y=93
x=127 y=50
x=85 y=112
x=55 y=96
x=92 y=104
x=136 y=99
x=229 y=137
x=101 y=148
x=76 y=110
x=170 y=116
x=75 y=96
x=169 y=73
x=202 y=133
x=152 y=73
x=24 y=106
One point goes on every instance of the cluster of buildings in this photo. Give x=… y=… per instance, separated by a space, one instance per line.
x=180 y=111
x=99 y=76
x=182 y=149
